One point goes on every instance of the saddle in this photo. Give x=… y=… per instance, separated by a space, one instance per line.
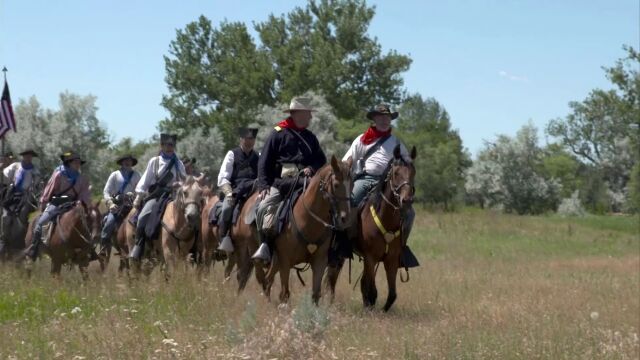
x=215 y=214
x=49 y=228
x=152 y=227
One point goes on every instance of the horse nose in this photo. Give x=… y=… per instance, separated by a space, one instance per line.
x=192 y=217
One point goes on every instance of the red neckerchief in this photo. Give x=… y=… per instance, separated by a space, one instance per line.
x=289 y=124
x=372 y=134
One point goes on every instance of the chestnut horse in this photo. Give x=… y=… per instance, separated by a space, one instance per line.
x=379 y=229
x=72 y=238
x=322 y=208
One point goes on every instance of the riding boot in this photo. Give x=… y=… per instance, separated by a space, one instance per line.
x=138 y=249
x=407 y=258
x=226 y=244
x=105 y=244
x=36 y=239
x=263 y=253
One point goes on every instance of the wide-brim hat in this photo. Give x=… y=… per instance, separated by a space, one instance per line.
x=300 y=104
x=189 y=161
x=69 y=156
x=29 y=152
x=244 y=132
x=122 y=158
x=168 y=138
x=382 y=109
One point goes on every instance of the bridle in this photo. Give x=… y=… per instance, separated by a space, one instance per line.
x=332 y=198
x=395 y=191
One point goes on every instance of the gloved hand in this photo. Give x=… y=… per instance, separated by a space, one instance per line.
x=226 y=190
x=113 y=207
x=137 y=202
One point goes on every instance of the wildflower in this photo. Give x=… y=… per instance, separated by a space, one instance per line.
x=169 y=342
x=594 y=315
x=75 y=310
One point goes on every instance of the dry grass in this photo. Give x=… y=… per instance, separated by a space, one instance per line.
x=491 y=286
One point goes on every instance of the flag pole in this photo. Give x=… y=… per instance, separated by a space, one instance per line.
x=4 y=70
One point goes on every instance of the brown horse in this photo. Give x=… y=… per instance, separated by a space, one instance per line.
x=379 y=225
x=72 y=238
x=181 y=223
x=208 y=242
x=323 y=207
x=244 y=236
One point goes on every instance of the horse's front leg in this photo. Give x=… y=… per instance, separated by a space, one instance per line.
x=368 y=283
x=169 y=250
x=391 y=269
x=333 y=272
x=318 y=265
x=285 y=268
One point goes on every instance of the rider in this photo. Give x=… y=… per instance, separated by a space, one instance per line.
x=291 y=147
x=371 y=153
x=22 y=175
x=163 y=172
x=190 y=167
x=121 y=183
x=66 y=185
x=236 y=178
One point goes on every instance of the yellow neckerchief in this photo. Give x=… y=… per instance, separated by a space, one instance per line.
x=388 y=236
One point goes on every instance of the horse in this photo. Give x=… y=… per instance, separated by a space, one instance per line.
x=208 y=242
x=124 y=209
x=181 y=223
x=322 y=208
x=71 y=238
x=379 y=224
x=15 y=221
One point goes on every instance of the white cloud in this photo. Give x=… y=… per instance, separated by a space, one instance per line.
x=512 y=77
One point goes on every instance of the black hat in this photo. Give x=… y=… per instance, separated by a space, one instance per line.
x=247 y=132
x=127 y=157
x=69 y=156
x=189 y=161
x=381 y=109
x=168 y=138
x=29 y=152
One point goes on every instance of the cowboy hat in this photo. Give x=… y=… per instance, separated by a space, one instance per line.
x=29 y=152
x=382 y=109
x=244 y=132
x=168 y=138
x=299 y=104
x=127 y=157
x=69 y=156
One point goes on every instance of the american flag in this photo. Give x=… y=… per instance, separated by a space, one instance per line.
x=7 y=121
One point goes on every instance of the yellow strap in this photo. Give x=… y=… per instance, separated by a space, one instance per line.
x=376 y=219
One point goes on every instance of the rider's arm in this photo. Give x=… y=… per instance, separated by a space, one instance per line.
x=319 y=158
x=10 y=171
x=226 y=169
x=49 y=189
x=267 y=163
x=148 y=178
x=110 y=187
x=84 y=191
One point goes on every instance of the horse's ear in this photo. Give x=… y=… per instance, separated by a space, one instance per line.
x=414 y=153
x=335 y=166
x=349 y=162
x=396 y=152
x=188 y=181
x=97 y=204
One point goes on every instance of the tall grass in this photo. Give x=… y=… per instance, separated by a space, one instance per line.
x=490 y=286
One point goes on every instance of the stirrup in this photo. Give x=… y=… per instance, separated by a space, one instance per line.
x=136 y=252
x=226 y=245
x=262 y=253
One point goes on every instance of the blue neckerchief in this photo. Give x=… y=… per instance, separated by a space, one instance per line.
x=20 y=175
x=169 y=157
x=127 y=175
x=69 y=173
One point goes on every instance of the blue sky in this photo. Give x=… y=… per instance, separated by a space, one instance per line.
x=493 y=64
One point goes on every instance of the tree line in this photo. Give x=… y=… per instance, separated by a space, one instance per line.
x=221 y=77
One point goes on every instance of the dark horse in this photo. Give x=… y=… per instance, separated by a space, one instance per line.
x=379 y=229
x=71 y=238
x=322 y=208
x=15 y=221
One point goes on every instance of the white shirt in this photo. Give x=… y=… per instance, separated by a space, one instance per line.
x=377 y=163
x=115 y=182
x=226 y=169
x=11 y=171
x=155 y=167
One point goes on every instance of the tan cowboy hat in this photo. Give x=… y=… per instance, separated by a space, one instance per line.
x=299 y=104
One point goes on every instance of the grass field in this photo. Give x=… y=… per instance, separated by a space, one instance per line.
x=490 y=286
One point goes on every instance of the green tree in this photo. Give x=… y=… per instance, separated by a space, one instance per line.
x=442 y=159
x=602 y=130
x=222 y=76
